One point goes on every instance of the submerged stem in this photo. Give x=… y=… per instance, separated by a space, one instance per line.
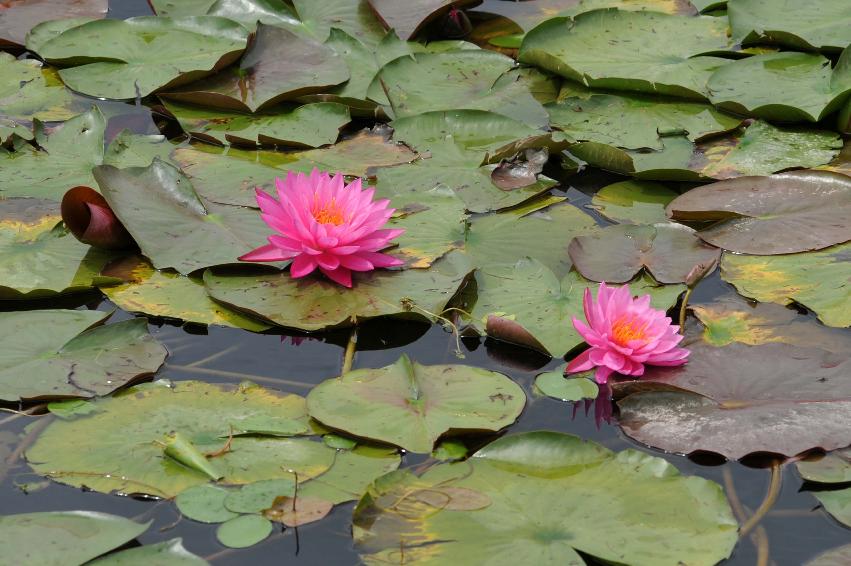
x=770 y=498
x=683 y=306
x=349 y=356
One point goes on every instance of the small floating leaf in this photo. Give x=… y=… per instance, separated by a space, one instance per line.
x=244 y=531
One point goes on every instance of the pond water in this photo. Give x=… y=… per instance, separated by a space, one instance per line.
x=795 y=530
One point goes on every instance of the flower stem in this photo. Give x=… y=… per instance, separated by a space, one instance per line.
x=770 y=498
x=349 y=356
x=683 y=306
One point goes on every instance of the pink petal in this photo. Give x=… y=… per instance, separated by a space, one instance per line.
x=302 y=265
x=266 y=253
x=340 y=275
x=580 y=363
x=602 y=375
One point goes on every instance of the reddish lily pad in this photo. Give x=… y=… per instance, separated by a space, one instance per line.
x=279 y=65
x=17 y=17
x=409 y=17
x=618 y=253
x=780 y=214
x=740 y=399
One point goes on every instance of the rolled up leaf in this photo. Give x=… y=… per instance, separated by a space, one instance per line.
x=88 y=216
x=180 y=448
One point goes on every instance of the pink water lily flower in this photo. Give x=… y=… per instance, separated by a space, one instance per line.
x=325 y=224
x=625 y=334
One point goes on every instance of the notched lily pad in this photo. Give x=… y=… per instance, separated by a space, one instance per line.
x=412 y=405
x=63 y=353
x=740 y=399
x=130 y=427
x=18 y=17
x=279 y=65
x=549 y=494
x=315 y=303
x=409 y=18
x=152 y=53
x=667 y=251
x=781 y=214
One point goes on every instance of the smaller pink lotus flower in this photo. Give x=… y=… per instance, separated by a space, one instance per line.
x=324 y=223
x=625 y=334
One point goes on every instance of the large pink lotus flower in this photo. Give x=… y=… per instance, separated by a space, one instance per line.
x=324 y=223
x=625 y=334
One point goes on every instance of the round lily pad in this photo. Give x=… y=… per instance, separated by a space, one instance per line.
x=130 y=428
x=205 y=503
x=412 y=405
x=633 y=202
x=549 y=494
x=558 y=386
x=244 y=531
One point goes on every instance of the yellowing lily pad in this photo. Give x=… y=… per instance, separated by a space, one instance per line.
x=130 y=427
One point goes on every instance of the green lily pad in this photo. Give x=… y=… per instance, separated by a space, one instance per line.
x=244 y=531
x=784 y=86
x=526 y=304
x=820 y=24
x=641 y=51
x=154 y=52
x=170 y=552
x=616 y=254
x=45 y=31
x=351 y=474
x=637 y=121
x=817 y=280
x=174 y=230
x=834 y=557
x=633 y=202
x=205 y=503
x=177 y=8
x=460 y=80
x=66 y=159
x=538 y=498
x=832 y=468
x=740 y=399
x=431 y=213
x=558 y=386
x=310 y=125
x=19 y=17
x=29 y=91
x=781 y=214
x=64 y=537
x=508 y=236
x=733 y=319
x=315 y=303
x=279 y=65
x=412 y=405
x=169 y=295
x=258 y=496
x=759 y=149
x=471 y=137
x=230 y=175
x=129 y=426
x=136 y=150
x=409 y=18
x=40 y=258
x=250 y=12
x=64 y=353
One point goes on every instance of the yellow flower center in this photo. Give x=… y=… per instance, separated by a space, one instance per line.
x=330 y=213
x=628 y=328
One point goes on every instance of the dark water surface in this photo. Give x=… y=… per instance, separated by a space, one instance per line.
x=797 y=529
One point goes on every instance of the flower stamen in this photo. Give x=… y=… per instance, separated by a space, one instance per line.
x=329 y=213
x=628 y=328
